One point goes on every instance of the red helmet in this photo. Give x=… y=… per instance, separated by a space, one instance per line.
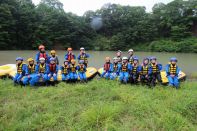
x=69 y=49
x=41 y=47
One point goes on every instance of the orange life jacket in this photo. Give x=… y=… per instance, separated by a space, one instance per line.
x=52 y=67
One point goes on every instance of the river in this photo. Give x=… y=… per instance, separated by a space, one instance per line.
x=186 y=61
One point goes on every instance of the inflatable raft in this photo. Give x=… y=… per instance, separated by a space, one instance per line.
x=10 y=70
x=182 y=75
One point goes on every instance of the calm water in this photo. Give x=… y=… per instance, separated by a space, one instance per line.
x=186 y=61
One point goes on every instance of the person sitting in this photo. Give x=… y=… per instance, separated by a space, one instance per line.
x=172 y=71
x=42 y=69
x=134 y=74
x=115 y=70
x=82 y=71
x=53 y=55
x=42 y=54
x=125 y=68
x=65 y=68
x=29 y=78
x=108 y=66
x=130 y=57
x=156 y=71
x=73 y=71
x=69 y=56
x=83 y=56
x=53 y=70
x=21 y=70
x=145 y=72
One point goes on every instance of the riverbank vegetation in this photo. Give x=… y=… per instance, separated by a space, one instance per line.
x=98 y=105
x=169 y=27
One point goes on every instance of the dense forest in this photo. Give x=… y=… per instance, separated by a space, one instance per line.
x=169 y=27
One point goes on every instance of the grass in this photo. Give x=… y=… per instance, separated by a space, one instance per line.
x=98 y=105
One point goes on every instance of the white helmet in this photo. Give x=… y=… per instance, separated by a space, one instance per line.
x=42 y=59
x=130 y=50
x=115 y=58
x=82 y=48
x=124 y=58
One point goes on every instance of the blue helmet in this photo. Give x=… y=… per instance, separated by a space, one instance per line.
x=81 y=61
x=135 y=58
x=19 y=58
x=52 y=59
x=173 y=59
x=153 y=58
x=146 y=58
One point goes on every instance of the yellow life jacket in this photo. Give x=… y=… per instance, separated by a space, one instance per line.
x=124 y=67
x=145 y=70
x=73 y=68
x=81 y=68
x=154 y=68
x=31 y=69
x=19 y=68
x=83 y=57
x=42 y=68
x=173 y=69
x=65 y=71
x=115 y=67
x=131 y=60
x=134 y=71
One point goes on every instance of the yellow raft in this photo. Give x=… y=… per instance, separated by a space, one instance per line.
x=182 y=75
x=10 y=70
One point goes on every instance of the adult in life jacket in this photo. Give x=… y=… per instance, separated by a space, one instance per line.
x=73 y=71
x=42 y=54
x=135 y=72
x=83 y=56
x=42 y=69
x=125 y=68
x=115 y=70
x=145 y=72
x=29 y=78
x=53 y=55
x=69 y=56
x=53 y=70
x=172 y=71
x=119 y=56
x=82 y=71
x=130 y=56
x=107 y=69
x=21 y=70
x=156 y=71
x=65 y=68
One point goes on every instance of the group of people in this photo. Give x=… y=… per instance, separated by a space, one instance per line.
x=128 y=69
x=45 y=67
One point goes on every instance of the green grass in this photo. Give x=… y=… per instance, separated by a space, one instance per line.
x=98 y=105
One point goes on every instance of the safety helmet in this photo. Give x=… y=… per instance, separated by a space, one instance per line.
x=69 y=49
x=52 y=59
x=130 y=50
x=124 y=58
x=82 y=48
x=173 y=59
x=119 y=51
x=30 y=59
x=81 y=61
x=153 y=58
x=42 y=59
x=73 y=60
x=65 y=61
x=41 y=47
x=53 y=51
x=146 y=58
x=19 y=58
x=107 y=58
x=136 y=58
x=115 y=58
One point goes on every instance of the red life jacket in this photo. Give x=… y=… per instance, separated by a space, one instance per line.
x=43 y=55
x=70 y=57
x=52 y=67
x=106 y=66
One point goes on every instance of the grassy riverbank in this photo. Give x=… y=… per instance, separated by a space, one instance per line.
x=98 y=105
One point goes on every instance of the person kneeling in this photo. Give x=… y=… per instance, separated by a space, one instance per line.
x=172 y=71
x=73 y=71
x=53 y=70
x=21 y=70
x=145 y=72
x=82 y=71
x=65 y=68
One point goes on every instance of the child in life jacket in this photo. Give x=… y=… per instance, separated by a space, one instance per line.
x=65 y=68
x=53 y=70
x=108 y=68
x=83 y=56
x=42 y=54
x=69 y=56
x=125 y=68
x=73 y=71
x=134 y=74
x=82 y=71
x=145 y=72
x=115 y=72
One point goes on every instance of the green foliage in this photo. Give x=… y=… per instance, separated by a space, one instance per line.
x=98 y=105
